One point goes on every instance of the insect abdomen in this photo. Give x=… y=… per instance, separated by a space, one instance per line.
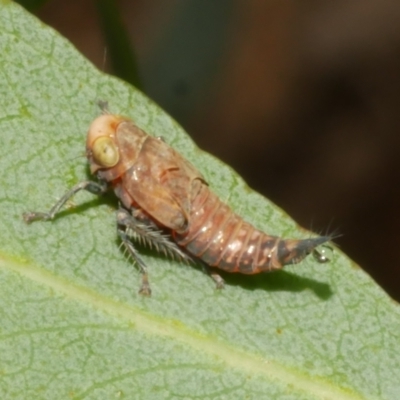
x=224 y=240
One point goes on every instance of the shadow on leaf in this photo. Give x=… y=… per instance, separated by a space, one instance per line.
x=273 y=281
x=279 y=281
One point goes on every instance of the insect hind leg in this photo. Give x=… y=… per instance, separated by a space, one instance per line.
x=145 y=289
x=219 y=281
x=137 y=226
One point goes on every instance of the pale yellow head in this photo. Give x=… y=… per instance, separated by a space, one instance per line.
x=101 y=148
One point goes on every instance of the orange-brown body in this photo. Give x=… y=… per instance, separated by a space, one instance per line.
x=151 y=176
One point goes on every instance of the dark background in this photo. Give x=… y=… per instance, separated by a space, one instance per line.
x=301 y=98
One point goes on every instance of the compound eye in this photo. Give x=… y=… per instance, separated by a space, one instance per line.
x=105 y=152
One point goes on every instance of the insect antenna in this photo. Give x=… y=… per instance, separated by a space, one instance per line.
x=103 y=104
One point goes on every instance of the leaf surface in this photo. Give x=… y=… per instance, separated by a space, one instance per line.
x=72 y=323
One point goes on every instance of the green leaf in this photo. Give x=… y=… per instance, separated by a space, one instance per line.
x=72 y=324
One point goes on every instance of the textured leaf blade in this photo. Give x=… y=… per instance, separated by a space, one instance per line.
x=72 y=321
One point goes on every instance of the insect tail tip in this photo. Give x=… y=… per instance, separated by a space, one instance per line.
x=320 y=240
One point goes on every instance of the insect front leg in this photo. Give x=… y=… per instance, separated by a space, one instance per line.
x=97 y=188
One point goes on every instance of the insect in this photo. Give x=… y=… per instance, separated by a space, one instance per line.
x=166 y=203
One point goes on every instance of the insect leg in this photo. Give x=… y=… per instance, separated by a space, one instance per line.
x=138 y=226
x=97 y=188
x=145 y=289
x=219 y=282
x=141 y=228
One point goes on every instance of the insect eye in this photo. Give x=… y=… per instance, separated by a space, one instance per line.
x=105 y=152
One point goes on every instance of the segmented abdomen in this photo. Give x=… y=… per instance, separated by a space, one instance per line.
x=223 y=239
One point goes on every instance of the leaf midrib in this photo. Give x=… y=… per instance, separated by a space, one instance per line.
x=246 y=362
